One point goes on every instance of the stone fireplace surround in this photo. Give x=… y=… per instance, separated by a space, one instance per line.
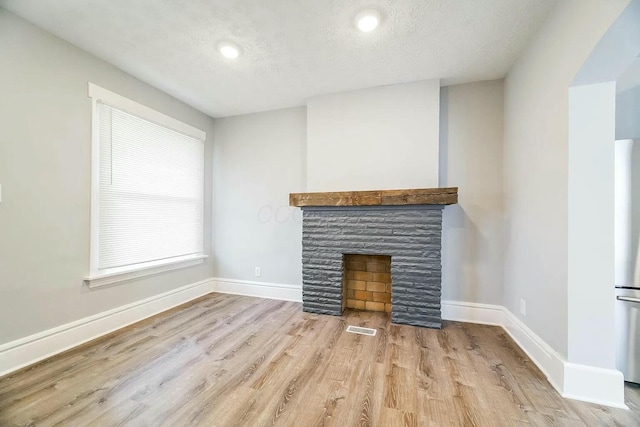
x=403 y=224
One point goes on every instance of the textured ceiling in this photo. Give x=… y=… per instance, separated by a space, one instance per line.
x=291 y=49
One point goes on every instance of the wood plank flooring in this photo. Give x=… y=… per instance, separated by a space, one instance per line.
x=226 y=360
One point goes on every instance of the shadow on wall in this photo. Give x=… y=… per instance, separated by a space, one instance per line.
x=462 y=248
x=628 y=114
x=466 y=252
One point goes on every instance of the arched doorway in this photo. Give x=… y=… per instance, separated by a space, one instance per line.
x=591 y=170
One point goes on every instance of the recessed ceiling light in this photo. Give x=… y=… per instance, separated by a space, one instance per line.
x=229 y=50
x=368 y=20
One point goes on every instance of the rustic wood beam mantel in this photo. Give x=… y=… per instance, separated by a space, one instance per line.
x=418 y=196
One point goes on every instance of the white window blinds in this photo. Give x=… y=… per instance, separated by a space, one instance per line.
x=151 y=191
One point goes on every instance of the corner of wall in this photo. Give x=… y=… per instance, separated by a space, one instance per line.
x=595 y=385
x=571 y=380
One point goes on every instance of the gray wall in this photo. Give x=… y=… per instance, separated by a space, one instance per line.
x=471 y=159
x=45 y=153
x=628 y=114
x=259 y=160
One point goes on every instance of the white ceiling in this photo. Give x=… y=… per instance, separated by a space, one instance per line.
x=292 y=49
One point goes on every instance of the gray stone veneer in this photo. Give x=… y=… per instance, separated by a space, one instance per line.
x=411 y=235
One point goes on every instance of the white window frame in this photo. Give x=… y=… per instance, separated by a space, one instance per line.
x=110 y=276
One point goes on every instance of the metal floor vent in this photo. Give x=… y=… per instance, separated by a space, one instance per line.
x=362 y=331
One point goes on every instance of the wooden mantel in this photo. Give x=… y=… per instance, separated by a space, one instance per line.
x=418 y=196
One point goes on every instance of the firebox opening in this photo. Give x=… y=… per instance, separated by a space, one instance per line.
x=366 y=282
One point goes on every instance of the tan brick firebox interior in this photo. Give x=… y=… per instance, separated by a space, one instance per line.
x=367 y=282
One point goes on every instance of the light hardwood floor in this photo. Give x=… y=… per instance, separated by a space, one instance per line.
x=229 y=360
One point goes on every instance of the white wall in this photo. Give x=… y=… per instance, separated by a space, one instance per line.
x=471 y=126
x=45 y=156
x=591 y=211
x=536 y=163
x=259 y=160
x=374 y=139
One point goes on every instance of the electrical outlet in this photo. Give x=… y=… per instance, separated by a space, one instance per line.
x=258 y=272
x=523 y=307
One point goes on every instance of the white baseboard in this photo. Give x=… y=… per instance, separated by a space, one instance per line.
x=580 y=382
x=550 y=362
x=595 y=385
x=572 y=381
x=278 y=291
x=470 y=312
x=33 y=348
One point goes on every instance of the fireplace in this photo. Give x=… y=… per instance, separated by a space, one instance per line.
x=403 y=225
x=366 y=282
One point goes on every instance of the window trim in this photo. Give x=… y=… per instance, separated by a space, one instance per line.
x=143 y=269
x=96 y=277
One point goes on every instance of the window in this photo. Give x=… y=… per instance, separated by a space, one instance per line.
x=147 y=191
